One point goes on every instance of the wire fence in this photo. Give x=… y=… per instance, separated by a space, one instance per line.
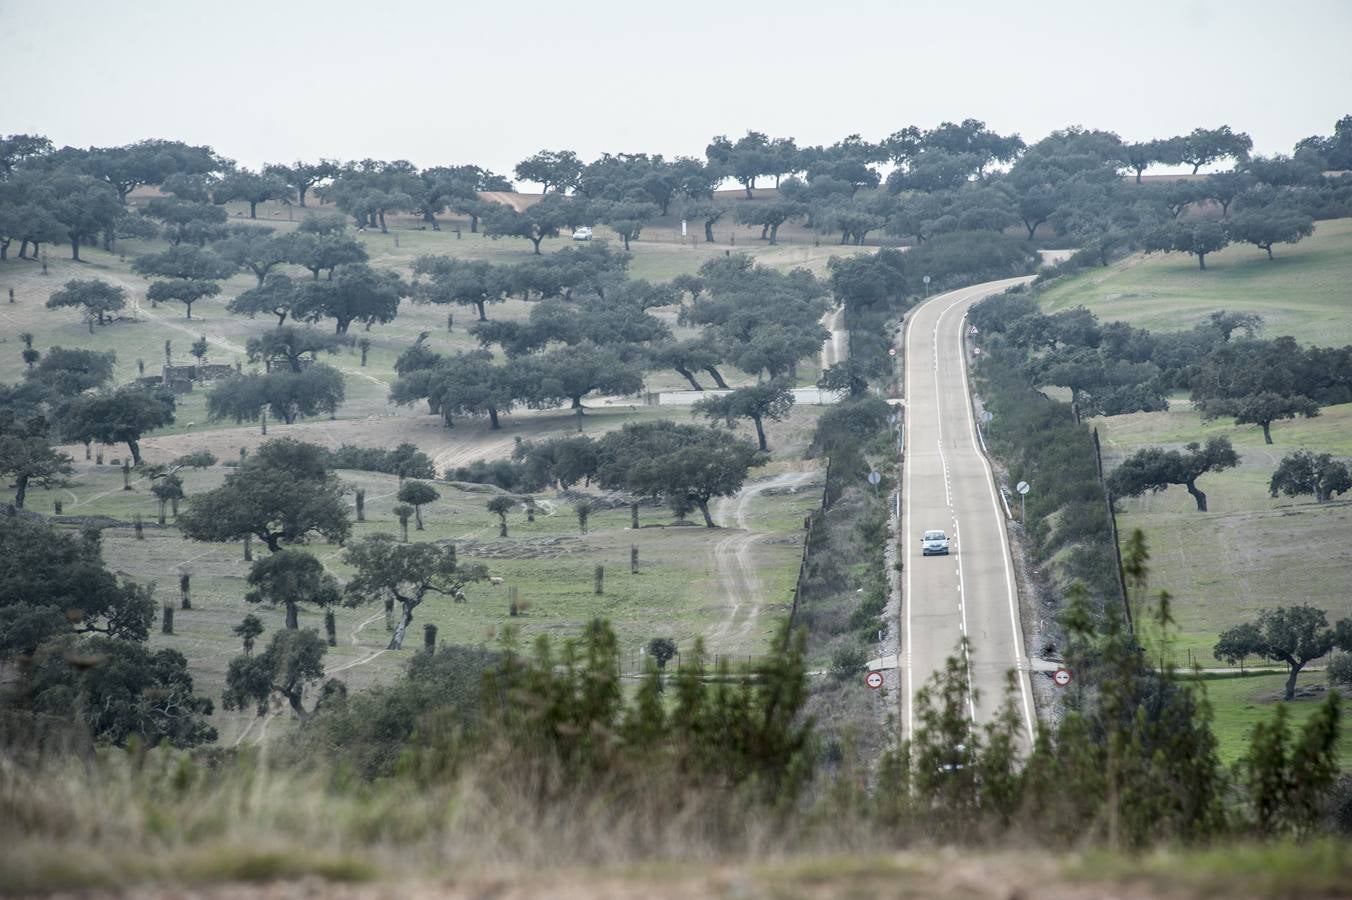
x=1112 y=522
x=807 y=546
x=1188 y=659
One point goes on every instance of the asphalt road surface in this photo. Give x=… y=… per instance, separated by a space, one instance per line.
x=947 y=484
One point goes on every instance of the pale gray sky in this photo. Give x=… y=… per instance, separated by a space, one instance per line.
x=491 y=82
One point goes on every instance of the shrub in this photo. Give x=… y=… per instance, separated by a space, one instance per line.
x=848 y=662
x=1340 y=668
x=406 y=460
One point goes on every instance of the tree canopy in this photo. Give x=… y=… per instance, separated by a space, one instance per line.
x=283 y=493
x=406 y=574
x=1154 y=469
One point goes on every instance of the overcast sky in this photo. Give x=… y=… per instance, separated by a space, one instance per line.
x=490 y=82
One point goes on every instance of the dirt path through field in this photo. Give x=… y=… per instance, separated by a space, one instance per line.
x=835 y=348
x=737 y=577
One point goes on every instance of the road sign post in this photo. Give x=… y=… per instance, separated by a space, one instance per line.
x=874 y=680
x=926 y=279
x=1023 y=489
x=1061 y=677
x=873 y=479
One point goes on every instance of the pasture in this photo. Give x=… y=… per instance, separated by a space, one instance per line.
x=731 y=585
x=1250 y=550
x=1303 y=292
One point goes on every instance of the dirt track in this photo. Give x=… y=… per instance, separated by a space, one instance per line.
x=733 y=557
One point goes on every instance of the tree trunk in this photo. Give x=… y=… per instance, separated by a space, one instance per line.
x=292 y=616
x=163 y=505
x=135 y=449
x=397 y=641
x=688 y=376
x=253 y=209
x=493 y=418
x=625 y=237
x=708 y=232
x=1197 y=495
x=293 y=698
x=1031 y=228
x=1201 y=261
x=502 y=527
x=1290 y=693
x=718 y=379
x=189 y=310
x=479 y=304
x=760 y=432
x=20 y=489
x=417 y=517
x=473 y=223
x=704 y=508
x=536 y=241
x=1267 y=432
x=74 y=249
x=301 y=191
x=774 y=233
x=1268 y=248
x=272 y=540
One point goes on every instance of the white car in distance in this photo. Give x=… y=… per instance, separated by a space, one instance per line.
x=934 y=543
x=582 y=234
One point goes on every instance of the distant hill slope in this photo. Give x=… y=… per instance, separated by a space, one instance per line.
x=1305 y=292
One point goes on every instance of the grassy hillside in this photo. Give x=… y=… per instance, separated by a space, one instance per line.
x=1250 y=550
x=1239 y=702
x=1304 y=292
x=680 y=592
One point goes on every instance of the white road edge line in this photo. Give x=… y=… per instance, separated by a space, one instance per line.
x=1021 y=673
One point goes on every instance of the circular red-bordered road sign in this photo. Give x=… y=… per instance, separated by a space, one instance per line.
x=874 y=680
x=1061 y=677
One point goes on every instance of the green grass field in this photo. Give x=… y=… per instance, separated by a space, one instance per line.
x=680 y=590
x=1249 y=550
x=1239 y=702
x=1305 y=292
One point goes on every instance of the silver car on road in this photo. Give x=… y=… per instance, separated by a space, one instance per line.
x=934 y=543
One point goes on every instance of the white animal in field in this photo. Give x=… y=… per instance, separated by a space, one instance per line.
x=495 y=581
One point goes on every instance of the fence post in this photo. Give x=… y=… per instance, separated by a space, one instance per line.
x=633 y=515
x=600 y=578
x=633 y=559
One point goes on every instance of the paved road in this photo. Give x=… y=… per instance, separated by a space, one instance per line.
x=947 y=484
